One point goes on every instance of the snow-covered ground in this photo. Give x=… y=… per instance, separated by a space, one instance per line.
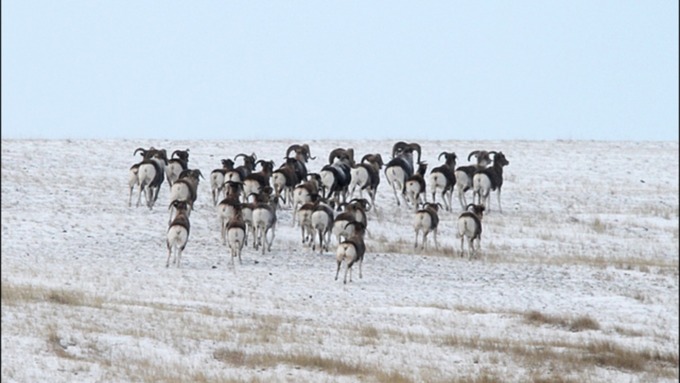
x=577 y=280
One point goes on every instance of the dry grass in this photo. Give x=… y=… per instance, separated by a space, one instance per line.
x=581 y=323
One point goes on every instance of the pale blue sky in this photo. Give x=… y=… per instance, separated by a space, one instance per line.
x=464 y=70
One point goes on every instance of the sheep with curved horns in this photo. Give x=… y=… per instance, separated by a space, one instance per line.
x=217 y=179
x=322 y=224
x=185 y=189
x=351 y=251
x=302 y=155
x=150 y=175
x=366 y=176
x=414 y=188
x=257 y=181
x=443 y=179
x=236 y=234
x=335 y=176
x=305 y=192
x=178 y=162
x=264 y=220
x=177 y=235
x=470 y=226
x=491 y=178
x=426 y=220
x=284 y=179
x=400 y=167
x=464 y=174
x=133 y=178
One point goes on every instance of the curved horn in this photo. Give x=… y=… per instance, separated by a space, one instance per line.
x=416 y=147
x=336 y=153
x=293 y=148
x=469 y=206
x=493 y=152
x=473 y=153
x=308 y=153
x=350 y=154
x=369 y=157
x=398 y=146
x=239 y=155
x=138 y=150
x=442 y=154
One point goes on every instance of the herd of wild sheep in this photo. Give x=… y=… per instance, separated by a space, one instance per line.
x=248 y=195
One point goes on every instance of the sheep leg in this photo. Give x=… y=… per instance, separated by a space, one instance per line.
x=424 y=244
x=273 y=230
x=498 y=194
x=415 y=246
x=167 y=263
x=436 y=245
x=337 y=272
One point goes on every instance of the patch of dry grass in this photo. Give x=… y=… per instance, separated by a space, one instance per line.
x=581 y=323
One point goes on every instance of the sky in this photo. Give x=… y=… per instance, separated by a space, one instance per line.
x=468 y=70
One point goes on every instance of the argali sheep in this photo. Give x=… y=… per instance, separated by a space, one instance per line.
x=304 y=214
x=177 y=235
x=426 y=220
x=150 y=176
x=305 y=192
x=185 y=188
x=236 y=234
x=400 y=167
x=366 y=176
x=322 y=224
x=443 y=179
x=226 y=210
x=255 y=182
x=178 y=162
x=133 y=178
x=414 y=188
x=470 y=228
x=217 y=179
x=351 y=251
x=284 y=179
x=491 y=178
x=264 y=221
x=464 y=174
x=335 y=176
x=302 y=155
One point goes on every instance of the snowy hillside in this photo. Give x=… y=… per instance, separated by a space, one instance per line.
x=577 y=280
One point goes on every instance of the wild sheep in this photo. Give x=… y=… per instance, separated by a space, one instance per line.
x=443 y=179
x=351 y=251
x=366 y=176
x=491 y=178
x=464 y=174
x=284 y=179
x=236 y=234
x=307 y=191
x=335 y=176
x=176 y=165
x=400 y=167
x=255 y=182
x=322 y=224
x=414 y=187
x=178 y=233
x=226 y=210
x=264 y=220
x=470 y=227
x=217 y=179
x=302 y=155
x=185 y=188
x=426 y=220
x=305 y=218
x=133 y=178
x=150 y=175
